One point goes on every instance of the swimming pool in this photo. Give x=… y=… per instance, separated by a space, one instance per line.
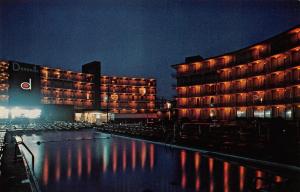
x=93 y=161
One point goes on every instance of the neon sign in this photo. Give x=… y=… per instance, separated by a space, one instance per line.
x=18 y=67
x=26 y=85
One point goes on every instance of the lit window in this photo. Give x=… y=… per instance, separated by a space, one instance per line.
x=259 y=113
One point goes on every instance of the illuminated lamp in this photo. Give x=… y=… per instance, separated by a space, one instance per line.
x=142 y=91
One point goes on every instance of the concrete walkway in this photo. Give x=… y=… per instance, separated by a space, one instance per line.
x=14 y=176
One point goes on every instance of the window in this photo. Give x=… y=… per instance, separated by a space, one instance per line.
x=288 y=114
x=286 y=60
x=259 y=113
x=241 y=113
x=198 y=101
x=268 y=113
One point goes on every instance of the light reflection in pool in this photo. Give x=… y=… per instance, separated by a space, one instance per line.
x=242 y=177
x=119 y=164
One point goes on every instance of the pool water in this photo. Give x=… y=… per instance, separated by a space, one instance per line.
x=93 y=161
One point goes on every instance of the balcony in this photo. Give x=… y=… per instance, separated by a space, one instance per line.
x=225 y=91
x=208 y=92
x=275 y=84
x=291 y=82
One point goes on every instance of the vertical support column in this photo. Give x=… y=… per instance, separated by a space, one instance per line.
x=95 y=69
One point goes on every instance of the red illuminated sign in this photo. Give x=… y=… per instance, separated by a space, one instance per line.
x=26 y=85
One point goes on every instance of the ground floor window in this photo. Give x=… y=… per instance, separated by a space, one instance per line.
x=241 y=113
x=268 y=113
x=289 y=114
x=259 y=113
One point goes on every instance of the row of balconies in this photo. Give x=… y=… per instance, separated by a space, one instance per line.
x=233 y=88
x=127 y=98
x=130 y=101
x=228 y=76
x=127 y=106
x=255 y=53
x=252 y=96
x=149 y=92
x=68 y=76
x=291 y=73
x=68 y=96
x=88 y=87
x=81 y=103
x=128 y=82
x=241 y=103
x=54 y=90
x=128 y=110
x=125 y=87
x=76 y=86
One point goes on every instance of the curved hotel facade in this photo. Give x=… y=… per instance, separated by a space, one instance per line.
x=262 y=80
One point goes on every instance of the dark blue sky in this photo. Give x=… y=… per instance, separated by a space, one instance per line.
x=136 y=37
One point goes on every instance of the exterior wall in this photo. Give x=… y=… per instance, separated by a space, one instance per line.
x=128 y=95
x=262 y=80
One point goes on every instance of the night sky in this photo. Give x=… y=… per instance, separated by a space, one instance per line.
x=136 y=37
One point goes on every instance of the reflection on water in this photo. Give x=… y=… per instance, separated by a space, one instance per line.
x=133 y=155
x=69 y=159
x=57 y=166
x=242 y=177
x=197 y=166
x=259 y=182
x=211 y=176
x=226 y=176
x=119 y=164
x=89 y=158
x=46 y=169
x=79 y=161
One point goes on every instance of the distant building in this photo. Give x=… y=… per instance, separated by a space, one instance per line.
x=262 y=80
x=31 y=91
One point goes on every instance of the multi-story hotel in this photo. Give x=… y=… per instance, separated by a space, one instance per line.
x=262 y=80
x=27 y=90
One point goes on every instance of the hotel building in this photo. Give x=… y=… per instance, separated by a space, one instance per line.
x=30 y=91
x=126 y=95
x=262 y=80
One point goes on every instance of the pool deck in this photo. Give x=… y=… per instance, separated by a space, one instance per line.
x=14 y=176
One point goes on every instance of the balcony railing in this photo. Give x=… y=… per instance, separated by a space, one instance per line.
x=269 y=101
x=68 y=78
